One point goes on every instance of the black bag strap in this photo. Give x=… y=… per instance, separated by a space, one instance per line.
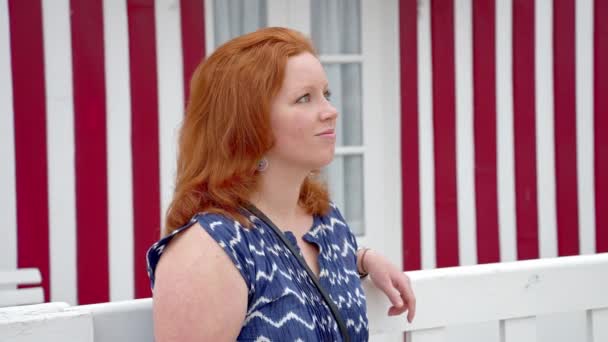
x=332 y=306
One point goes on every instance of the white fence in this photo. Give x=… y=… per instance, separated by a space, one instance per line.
x=12 y=294
x=560 y=299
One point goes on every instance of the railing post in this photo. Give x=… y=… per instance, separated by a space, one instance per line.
x=597 y=328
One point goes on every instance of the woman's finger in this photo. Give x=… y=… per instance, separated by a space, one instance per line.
x=394 y=296
x=385 y=284
x=405 y=289
x=394 y=311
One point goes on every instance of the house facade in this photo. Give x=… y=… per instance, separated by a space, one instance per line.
x=469 y=131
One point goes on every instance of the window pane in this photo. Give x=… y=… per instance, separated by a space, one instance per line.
x=344 y=177
x=336 y=26
x=232 y=18
x=345 y=85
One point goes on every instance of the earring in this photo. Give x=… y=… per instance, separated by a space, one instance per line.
x=262 y=165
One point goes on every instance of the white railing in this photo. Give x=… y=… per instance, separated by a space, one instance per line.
x=12 y=294
x=561 y=299
x=558 y=299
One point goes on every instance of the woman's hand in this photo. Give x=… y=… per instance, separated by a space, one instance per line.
x=392 y=281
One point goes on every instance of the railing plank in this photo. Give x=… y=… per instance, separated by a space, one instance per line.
x=21 y=296
x=562 y=327
x=54 y=326
x=11 y=295
x=31 y=310
x=474 y=332
x=393 y=337
x=23 y=276
x=124 y=321
x=426 y=335
x=599 y=325
x=518 y=330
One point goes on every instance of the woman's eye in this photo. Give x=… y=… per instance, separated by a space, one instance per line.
x=327 y=95
x=304 y=99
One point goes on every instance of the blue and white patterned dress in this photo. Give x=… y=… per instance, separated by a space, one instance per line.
x=283 y=302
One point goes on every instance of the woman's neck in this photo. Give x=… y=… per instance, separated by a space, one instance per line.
x=277 y=194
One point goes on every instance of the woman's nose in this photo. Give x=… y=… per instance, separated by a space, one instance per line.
x=329 y=112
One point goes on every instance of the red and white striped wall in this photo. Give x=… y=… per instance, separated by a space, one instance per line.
x=504 y=114
x=91 y=94
x=504 y=121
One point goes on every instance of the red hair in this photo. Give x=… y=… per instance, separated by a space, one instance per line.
x=226 y=129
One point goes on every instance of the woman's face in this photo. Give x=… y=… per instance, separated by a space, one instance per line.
x=302 y=118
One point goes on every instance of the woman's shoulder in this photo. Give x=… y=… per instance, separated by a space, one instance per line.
x=195 y=272
x=204 y=232
x=218 y=226
x=334 y=216
x=334 y=211
x=187 y=245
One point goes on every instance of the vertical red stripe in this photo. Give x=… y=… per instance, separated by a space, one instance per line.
x=601 y=123
x=565 y=127
x=193 y=37
x=90 y=159
x=484 y=100
x=444 y=126
x=29 y=101
x=144 y=136
x=524 y=123
x=408 y=28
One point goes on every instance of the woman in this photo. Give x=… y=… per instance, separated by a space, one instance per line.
x=258 y=127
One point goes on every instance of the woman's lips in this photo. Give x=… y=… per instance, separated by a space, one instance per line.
x=328 y=132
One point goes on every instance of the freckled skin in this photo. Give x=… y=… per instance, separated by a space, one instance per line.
x=296 y=121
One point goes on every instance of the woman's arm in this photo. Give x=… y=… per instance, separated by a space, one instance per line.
x=388 y=278
x=199 y=295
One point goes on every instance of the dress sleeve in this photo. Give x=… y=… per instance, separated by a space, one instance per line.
x=156 y=251
x=232 y=237
x=228 y=233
